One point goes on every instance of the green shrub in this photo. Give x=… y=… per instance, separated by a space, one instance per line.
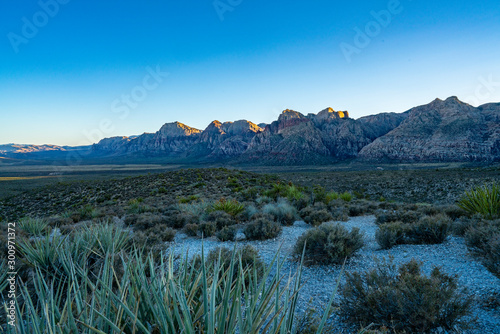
x=207 y=229
x=191 y=230
x=429 y=230
x=315 y=215
x=148 y=220
x=221 y=219
x=319 y=194
x=231 y=207
x=262 y=229
x=33 y=226
x=331 y=196
x=339 y=213
x=329 y=243
x=391 y=234
x=249 y=256
x=402 y=215
x=180 y=219
x=282 y=212
x=189 y=199
x=226 y=233
x=483 y=200
x=483 y=239
x=346 y=196
x=404 y=300
x=135 y=206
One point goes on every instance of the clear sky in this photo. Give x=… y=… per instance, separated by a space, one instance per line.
x=74 y=71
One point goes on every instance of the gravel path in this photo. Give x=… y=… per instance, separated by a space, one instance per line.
x=452 y=256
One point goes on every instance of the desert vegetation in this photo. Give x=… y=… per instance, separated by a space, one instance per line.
x=109 y=243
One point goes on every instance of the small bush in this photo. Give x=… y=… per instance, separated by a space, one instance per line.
x=208 y=229
x=181 y=219
x=226 y=233
x=329 y=243
x=331 y=196
x=189 y=199
x=339 y=213
x=429 y=230
x=135 y=206
x=249 y=257
x=148 y=220
x=391 y=234
x=191 y=230
x=262 y=229
x=315 y=215
x=404 y=300
x=404 y=216
x=483 y=240
x=346 y=197
x=483 y=200
x=282 y=212
x=221 y=219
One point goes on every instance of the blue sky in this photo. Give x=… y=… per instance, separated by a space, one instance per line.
x=74 y=71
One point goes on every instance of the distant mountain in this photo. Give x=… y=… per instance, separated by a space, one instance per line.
x=441 y=131
x=21 y=148
x=447 y=130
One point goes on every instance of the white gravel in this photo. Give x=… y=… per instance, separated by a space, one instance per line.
x=452 y=256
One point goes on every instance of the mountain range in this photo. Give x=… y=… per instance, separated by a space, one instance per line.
x=441 y=131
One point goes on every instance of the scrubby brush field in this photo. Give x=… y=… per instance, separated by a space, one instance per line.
x=126 y=239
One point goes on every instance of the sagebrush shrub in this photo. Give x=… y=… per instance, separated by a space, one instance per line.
x=391 y=234
x=429 y=230
x=404 y=216
x=221 y=219
x=226 y=233
x=329 y=243
x=316 y=215
x=282 y=212
x=262 y=229
x=405 y=299
x=483 y=239
x=191 y=230
x=207 y=229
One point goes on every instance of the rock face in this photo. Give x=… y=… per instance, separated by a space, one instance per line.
x=447 y=130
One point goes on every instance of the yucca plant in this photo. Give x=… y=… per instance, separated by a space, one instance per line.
x=232 y=207
x=43 y=253
x=33 y=226
x=152 y=297
x=483 y=200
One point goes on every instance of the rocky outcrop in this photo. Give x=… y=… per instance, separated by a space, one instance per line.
x=447 y=130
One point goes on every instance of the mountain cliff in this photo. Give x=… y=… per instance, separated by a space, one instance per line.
x=441 y=131
x=447 y=130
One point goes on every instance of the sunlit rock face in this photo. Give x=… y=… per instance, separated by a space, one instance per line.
x=447 y=130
